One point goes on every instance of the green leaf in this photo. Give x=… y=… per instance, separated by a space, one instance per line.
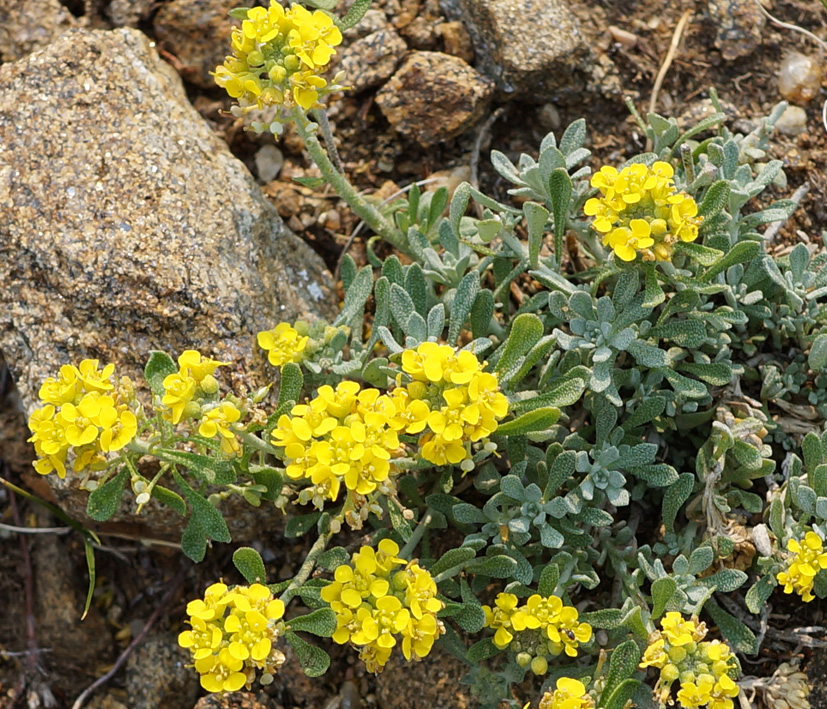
x=321 y=622
x=169 y=498
x=663 y=589
x=817 y=358
x=647 y=410
x=606 y=618
x=482 y=650
x=560 y=470
x=451 y=559
x=674 y=497
x=311 y=182
x=481 y=313
x=621 y=696
x=559 y=190
x=194 y=540
x=702 y=254
x=399 y=523
x=537 y=420
x=738 y=634
x=357 y=295
x=701 y=559
x=250 y=565
x=291 y=383
x=498 y=566
x=313 y=660
x=459 y=205
x=239 y=13
x=726 y=580
x=653 y=294
x=622 y=665
x=758 y=595
x=464 y=299
x=526 y=331
x=333 y=558
x=657 y=474
x=297 y=526
x=647 y=355
x=158 y=367
x=211 y=470
x=103 y=501
x=742 y=252
x=471 y=618
x=549 y=579
x=536 y=217
x=354 y=14
x=89 y=552
x=203 y=513
x=715 y=199
x=270 y=478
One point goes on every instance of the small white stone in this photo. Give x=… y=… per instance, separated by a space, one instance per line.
x=793 y=121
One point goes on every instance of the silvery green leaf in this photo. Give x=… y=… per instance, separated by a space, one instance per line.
x=512 y=486
x=701 y=559
x=647 y=355
x=618 y=497
x=519 y=525
x=550 y=537
x=436 y=322
x=464 y=298
x=557 y=508
x=602 y=354
x=582 y=304
x=605 y=309
x=601 y=376
x=623 y=339
x=817 y=359
x=533 y=493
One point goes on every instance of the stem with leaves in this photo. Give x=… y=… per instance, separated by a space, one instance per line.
x=367 y=212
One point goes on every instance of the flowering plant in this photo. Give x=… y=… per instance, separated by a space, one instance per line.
x=539 y=379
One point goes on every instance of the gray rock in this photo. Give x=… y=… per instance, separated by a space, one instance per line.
x=128 y=13
x=126 y=225
x=738 y=26
x=29 y=25
x=157 y=674
x=198 y=34
x=533 y=49
x=371 y=60
x=434 y=97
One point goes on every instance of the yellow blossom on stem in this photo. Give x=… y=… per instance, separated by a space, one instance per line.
x=233 y=633
x=218 y=422
x=568 y=694
x=640 y=212
x=808 y=558
x=379 y=606
x=283 y=344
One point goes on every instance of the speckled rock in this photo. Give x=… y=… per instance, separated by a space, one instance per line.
x=533 y=49
x=434 y=97
x=27 y=25
x=197 y=33
x=738 y=27
x=369 y=61
x=128 y=13
x=130 y=224
x=157 y=674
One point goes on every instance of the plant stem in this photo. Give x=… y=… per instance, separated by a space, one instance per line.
x=307 y=567
x=368 y=213
x=256 y=443
x=415 y=538
x=321 y=118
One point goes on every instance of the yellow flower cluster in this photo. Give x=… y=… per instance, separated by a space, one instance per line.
x=278 y=56
x=377 y=605
x=640 y=211
x=568 y=694
x=540 y=628
x=283 y=344
x=703 y=668
x=190 y=393
x=341 y=435
x=233 y=634
x=451 y=396
x=84 y=412
x=807 y=560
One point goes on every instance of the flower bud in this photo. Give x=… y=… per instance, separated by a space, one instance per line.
x=523 y=659
x=539 y=665
x=209 y=385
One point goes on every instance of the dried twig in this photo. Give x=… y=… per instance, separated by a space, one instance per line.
x=788 y=26
x=482 y=134
x=667 y=62
x=174 y=585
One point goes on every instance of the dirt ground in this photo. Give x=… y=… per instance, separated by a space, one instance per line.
x=48 y=656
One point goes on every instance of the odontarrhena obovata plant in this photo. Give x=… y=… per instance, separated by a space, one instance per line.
x=603 y=451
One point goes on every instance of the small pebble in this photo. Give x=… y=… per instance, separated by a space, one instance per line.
x=549 y=116
x=799 y=78
x=793 y=121
x=624 y=37
x=269 y=161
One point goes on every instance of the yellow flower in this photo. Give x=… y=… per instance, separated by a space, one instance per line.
x=278 y=56
x=500 y=617
x=639 y=211
x=567 y=633
x=63 y=389
x=377 y=605
x=217 y=422
x=233 y=633
x=569 y=694
x=193 y=364
x=283 y=344
x=808 y=559
x=179 y=390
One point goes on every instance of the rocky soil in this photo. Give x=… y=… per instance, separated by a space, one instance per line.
x=137 y=214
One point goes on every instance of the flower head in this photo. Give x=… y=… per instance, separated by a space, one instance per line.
x=639 y=211
x=808 y=558
x=283 y=344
